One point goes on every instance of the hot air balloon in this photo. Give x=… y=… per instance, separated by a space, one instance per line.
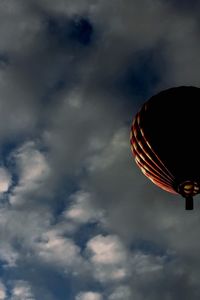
x=165 y=141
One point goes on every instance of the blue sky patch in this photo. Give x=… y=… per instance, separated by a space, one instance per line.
x=140 y=77
x=66 y=31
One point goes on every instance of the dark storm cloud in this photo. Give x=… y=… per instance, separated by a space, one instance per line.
x=72 y=76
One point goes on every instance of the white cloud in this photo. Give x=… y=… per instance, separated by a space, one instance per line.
x=2 y=291
x=108 y=257
x=31 y=163
x=21 y=291
x=122 y=292
x=33 y=170
x=88 y=296
x=17 y=224
x=111 y=152
x=5 y=180
x=106 y=250
x=147 y=263
x=60 y=251
x=8 y=255
x=81 y=209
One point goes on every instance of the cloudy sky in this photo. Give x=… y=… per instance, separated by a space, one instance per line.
x=78 y=220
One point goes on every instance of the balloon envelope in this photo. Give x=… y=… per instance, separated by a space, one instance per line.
x=165 y=140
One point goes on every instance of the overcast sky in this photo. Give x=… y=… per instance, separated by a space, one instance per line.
x=78 y=220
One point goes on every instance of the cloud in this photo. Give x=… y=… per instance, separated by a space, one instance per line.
x=31 y=163
x=23 y=119
x=81 y=210
x=2 y=291
x=120 y=293
x=66 y=7
x=8 y=255
x=144 y=263
x=60 y=251
x=32 y=171
x=89 y=296
x=21 y=290
x=109 y=258
x=110 y=153
x=5 y=180
x=77 y=102
x=19 y=27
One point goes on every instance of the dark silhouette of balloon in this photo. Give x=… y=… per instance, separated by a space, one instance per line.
x=165 y=141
